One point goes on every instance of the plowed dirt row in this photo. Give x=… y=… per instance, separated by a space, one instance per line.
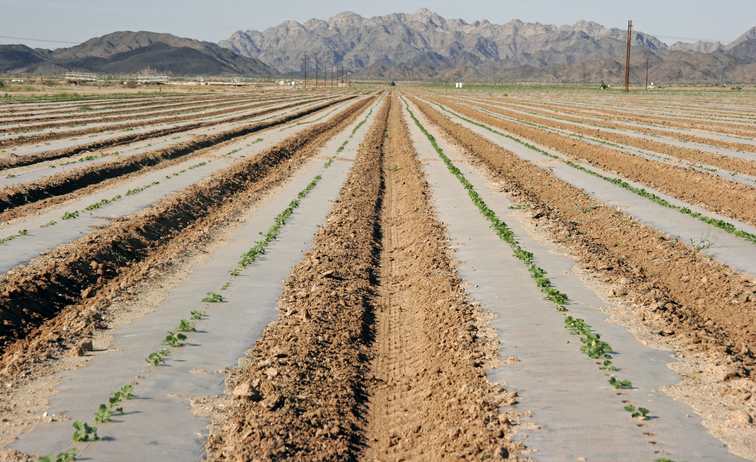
x=158 y=301
x=95 y=268
x=545 y=366
x=734 y=200
x=133 y=123
x=28 y=159
x=148 y=110
x=359 y=366
x=703 y=308
x=54 y=188
x=692 y=124
x=730 y=163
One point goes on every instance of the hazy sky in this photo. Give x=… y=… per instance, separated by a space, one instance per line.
x=63 y=23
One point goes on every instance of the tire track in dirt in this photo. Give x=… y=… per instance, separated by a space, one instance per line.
x=734 y=200
x=316 y=386
x=57 y=187
x=61 y=296
x=432 y=399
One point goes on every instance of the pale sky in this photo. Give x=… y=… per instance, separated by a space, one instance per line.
x=64 y=23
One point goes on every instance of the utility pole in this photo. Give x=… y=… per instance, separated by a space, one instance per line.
x=627 y=61
x=331 y=73
x=316 y=72
x=305 y=66
x=646 y=74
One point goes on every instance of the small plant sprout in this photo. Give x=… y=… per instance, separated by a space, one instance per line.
x=186 y=326
x=213 y=297
x=619 y=384
x=607 y=366
x=156 y=358
x=84 y=432
x=104 y=413
x=67 y=456
x=121 y=395
x=637 y=413
x=197 y=314
x=174 y=339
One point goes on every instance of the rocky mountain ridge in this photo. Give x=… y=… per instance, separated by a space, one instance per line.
x=129 y=52
x=424 y=38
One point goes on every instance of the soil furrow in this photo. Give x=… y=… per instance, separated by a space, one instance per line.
x=65 y=183
x=431 y=400
x=91 y=270
x=731 y=199
x=32 y=139
x=679 y=292
x=29 y=159
x=733 y=164
x=359 y=367
x=300 y=390
x=125 y=114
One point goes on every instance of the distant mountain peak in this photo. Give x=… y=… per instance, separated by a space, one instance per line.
x=426 y=38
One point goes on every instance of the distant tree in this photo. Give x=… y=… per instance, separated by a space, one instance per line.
x=392 y=83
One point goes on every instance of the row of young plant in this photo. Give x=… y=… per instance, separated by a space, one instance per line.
x=721 y=224
x=175 y=338
x=643 y=153
x=83 y=432
x=592 y=346
x=259 y=248
x=103 y=202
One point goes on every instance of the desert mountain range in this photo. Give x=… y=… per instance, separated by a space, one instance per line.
x=420 y=45
x=425 y=44
x=131 y=52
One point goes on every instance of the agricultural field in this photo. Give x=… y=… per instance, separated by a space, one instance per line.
x=379 y=274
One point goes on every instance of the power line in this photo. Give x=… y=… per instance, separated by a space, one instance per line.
x=38 y=40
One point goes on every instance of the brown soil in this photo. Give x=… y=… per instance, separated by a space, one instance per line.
x=29 y=159
x=731 y=199
x=375 y=353
x=61 y=296
x=675 y=297
x=146 y=109
x=32 y=139
x=56 y=187
x=732 y=164
x=683 y=293
x=657 y=119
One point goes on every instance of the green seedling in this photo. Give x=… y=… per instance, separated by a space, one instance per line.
x=50 y=223
x=619 y=384
x=607 y=366
x=67 y=456
x=561 y=308
x=225 y=286
x=186 y=326
x=156 y=358
x=174 y=339
x=121 y=395
x=640 y=412
x=69 y=215
x=197 y=314
x=104 y=413
x=84 y=432
x=213 y=297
